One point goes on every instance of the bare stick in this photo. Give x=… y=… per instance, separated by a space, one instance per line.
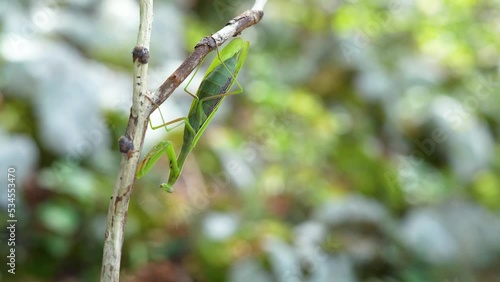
x=131 y=143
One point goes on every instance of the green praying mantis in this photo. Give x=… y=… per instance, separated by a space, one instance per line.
x=215 y=86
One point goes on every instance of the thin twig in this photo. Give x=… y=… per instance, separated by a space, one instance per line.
x=143 y=105
x=133 y=138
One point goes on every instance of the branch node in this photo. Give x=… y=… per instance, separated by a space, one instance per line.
x=140 y=54
x=207 y=41
x=259 y=15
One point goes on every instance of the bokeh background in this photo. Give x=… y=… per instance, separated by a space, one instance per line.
x=365 y=146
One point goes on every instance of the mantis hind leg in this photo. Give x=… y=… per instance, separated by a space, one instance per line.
x=189 y=82
x=165 y=124
x=239 y=91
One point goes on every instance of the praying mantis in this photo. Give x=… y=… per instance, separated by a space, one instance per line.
x=215 y=86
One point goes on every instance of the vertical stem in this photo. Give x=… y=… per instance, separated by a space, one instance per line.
x=141 y=69
x=137 y=126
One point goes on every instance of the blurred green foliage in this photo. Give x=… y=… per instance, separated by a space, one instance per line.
x=365 y=146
